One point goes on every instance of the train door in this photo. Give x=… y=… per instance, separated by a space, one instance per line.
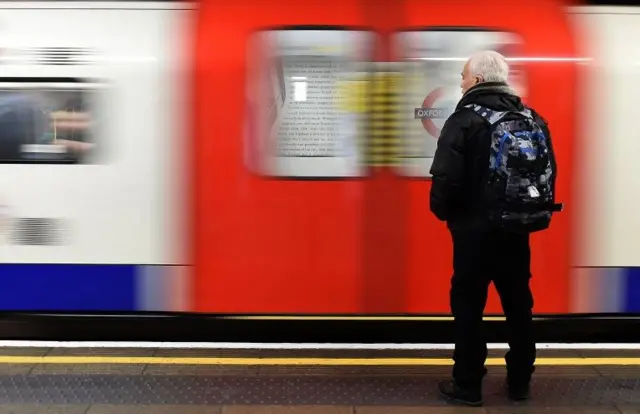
x=278 y=223
x=433 y=43
x=286 y=226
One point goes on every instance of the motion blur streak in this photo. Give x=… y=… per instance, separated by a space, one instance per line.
x=244 y=158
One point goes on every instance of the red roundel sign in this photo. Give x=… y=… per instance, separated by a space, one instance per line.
x=433 y=107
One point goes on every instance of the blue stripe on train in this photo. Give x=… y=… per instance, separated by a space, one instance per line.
x=67 y=287
x=79 y=287
x=632 y=289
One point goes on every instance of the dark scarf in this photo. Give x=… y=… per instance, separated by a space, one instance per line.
x=500 y=87
x=492 y=87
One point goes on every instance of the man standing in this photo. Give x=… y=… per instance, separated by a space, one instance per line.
x=493 y=183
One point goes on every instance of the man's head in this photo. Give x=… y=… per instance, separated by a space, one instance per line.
x=485 y=66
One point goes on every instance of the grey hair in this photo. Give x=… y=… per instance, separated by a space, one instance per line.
x=492 y=66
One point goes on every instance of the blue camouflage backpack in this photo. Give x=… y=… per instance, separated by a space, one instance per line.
x=519 y=187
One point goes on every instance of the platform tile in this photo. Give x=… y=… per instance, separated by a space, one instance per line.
x=274 y=391
x=42 y=409
x=154 y=409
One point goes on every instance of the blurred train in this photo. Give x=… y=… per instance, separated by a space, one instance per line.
x=135 y=174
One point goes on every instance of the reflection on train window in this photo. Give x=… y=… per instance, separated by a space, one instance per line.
x=278 y=90
x=46 y=124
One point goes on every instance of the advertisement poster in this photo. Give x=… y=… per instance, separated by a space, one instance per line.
x=305 y=112
x=433 y=61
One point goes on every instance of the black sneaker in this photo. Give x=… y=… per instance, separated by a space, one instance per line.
x=519 y=391
x=451 y=391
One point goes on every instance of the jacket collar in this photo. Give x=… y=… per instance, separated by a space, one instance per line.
x=497 y=87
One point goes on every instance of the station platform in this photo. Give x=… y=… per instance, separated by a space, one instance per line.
x=101 y=380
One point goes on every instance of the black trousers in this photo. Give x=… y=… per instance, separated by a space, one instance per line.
x=480 y=258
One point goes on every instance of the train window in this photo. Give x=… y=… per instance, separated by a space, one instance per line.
x=305 y=109
x=47 y=121
x=433 y=60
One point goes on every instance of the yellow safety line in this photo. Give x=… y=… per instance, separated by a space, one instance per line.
x=77 y=360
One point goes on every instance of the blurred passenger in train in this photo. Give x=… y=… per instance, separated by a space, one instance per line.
x=69 y=127
x=17 y=120
x=71 y=124
x=493 y=183
x=25 y=119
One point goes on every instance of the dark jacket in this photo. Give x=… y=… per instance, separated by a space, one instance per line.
x=461 y=160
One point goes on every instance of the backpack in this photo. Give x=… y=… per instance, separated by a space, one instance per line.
x=519 y=186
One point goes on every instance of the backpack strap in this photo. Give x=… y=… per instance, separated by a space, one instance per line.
x=493 y=116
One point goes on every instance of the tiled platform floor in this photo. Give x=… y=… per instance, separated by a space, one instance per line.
x=97 y=388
